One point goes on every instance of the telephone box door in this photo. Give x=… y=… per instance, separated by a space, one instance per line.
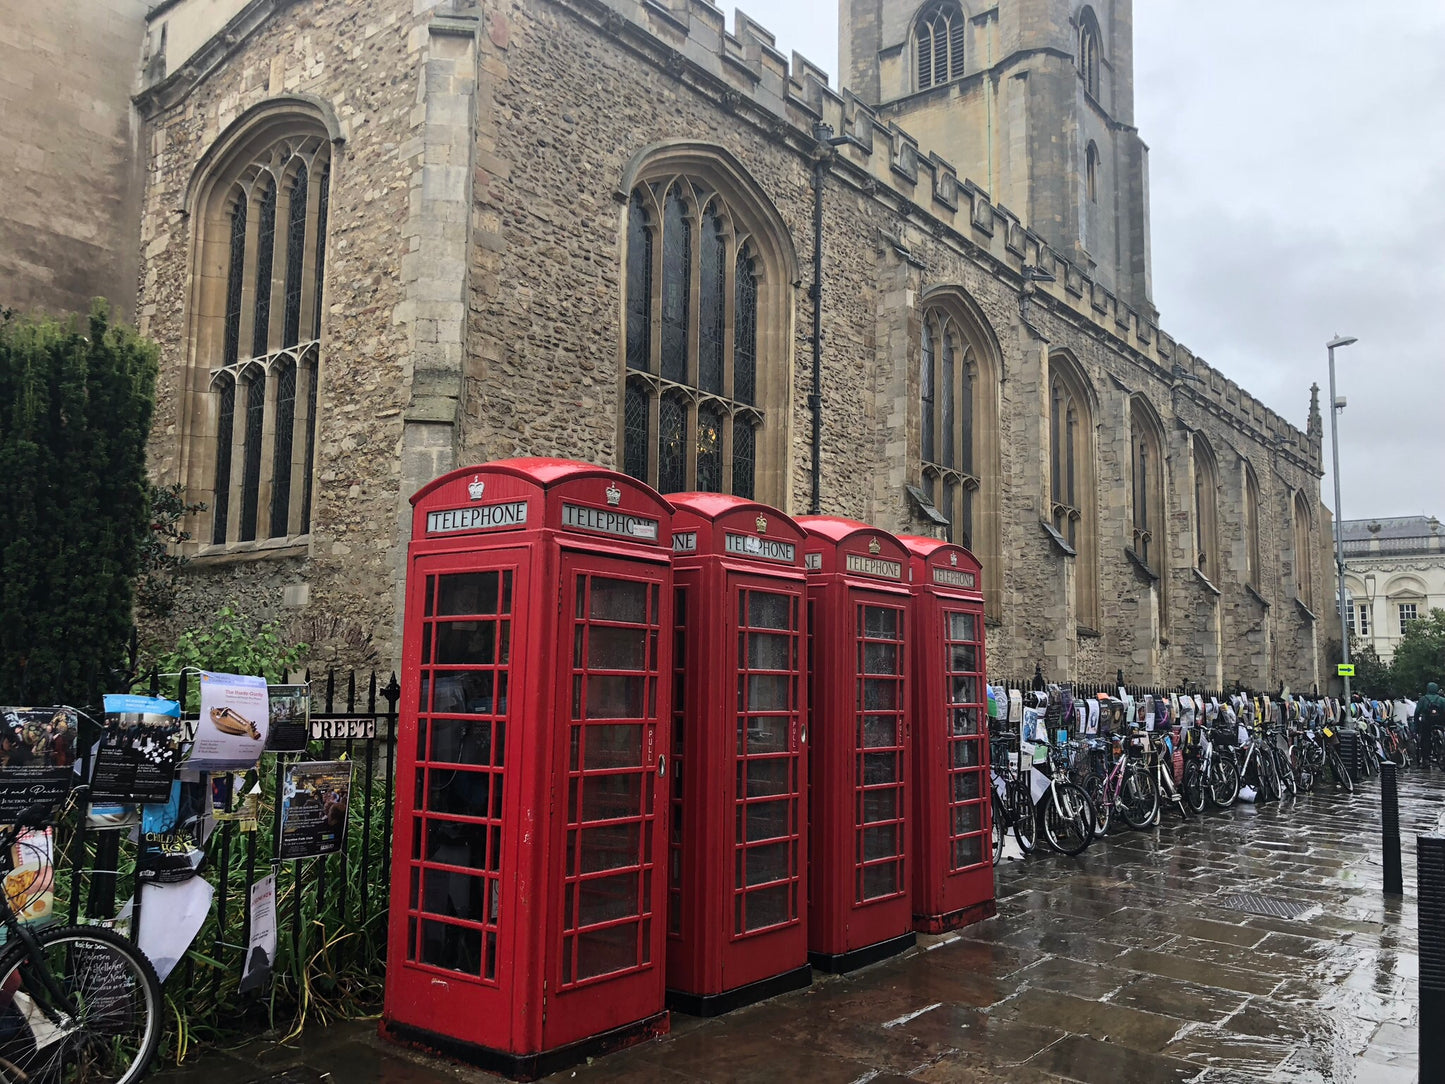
x=457 y=894
x=768 y=858
x=607 y=808
x=967 y=793
x=881 y=752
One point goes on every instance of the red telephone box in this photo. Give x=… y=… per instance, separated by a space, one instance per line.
x=952 y=857
x=526 y=923
x=736 y=918
x=858 y=601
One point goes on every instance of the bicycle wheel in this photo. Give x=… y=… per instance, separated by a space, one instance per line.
x=1342 y=774
x=1000 y=826
x=1138 y=800
x=1068 y=819
x=1223 y=781
x=1023 y=811
x=105 y=1031
x=1284 y=773
x=1097 y=790
x=1268 y=780
x=1304 y=771
x=1194 y=788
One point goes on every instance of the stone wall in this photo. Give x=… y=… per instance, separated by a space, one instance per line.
x=69 y=187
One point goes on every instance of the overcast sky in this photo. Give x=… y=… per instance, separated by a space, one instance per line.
x=1297 y=168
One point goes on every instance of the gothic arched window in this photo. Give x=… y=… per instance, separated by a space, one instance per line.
x=938 y=36
x=1206 y=511
x=1090 y=51
x=1071 y=478
x=1304 y=551
x=1091 y=172
x=260 y=250
x=1251 y=527
x=1147 y=478
x=702 y=300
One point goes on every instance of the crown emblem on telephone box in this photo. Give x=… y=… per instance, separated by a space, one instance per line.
x=614 y=495
x=762 y=525
x=874 y=546
x=476 y=489
x=953 y=559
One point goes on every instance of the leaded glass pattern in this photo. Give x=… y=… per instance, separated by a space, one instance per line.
x=939 y=42
x=281 y=455
x=251 y=452
x=226 y=416
x=265 y=257
x=295 y=255
x=946 y=431
x=689 y=414
x=265 y=405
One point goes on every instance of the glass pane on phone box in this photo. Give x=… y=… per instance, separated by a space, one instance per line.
x=880 y=694
x=461 y=741
x=880 y=880
x=452 y=843
x=615 y=696
x=962 y=627
x=466 y=643
x=880 y=622
x=966 y=786
x=611 y=846
x=768 y=776
x=963 y=658
x=611 y=797
x=767 y=863
x=963 y=721
x=460 y=793
x=464 y=692
x=964 y=754
x=613 y=747
x=618 y=600
x=967 y=851
x=880 y=658
x=880 y=842
x=601 y=952
x=467 y=593
x=880 y=731
x=966 y=819
x=767 y=734
x=767 y=907
x=605 y=899
x=768 y=651
x=965 y=690
x=880 y=768
x=454 y=895
x=455 y=948
x=767 y=820
x=768 y=611
x=768 y=692
x=616 y=649
x=880 y=805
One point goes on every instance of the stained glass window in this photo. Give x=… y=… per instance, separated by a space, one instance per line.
x=699 y=389
x=295 y=255
x=265 y=253
x=264 y=451
x=226 y=393
x=251 y=451
x=281 y=453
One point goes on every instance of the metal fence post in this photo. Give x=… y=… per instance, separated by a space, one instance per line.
x=1390 y=830
x=1431 y=882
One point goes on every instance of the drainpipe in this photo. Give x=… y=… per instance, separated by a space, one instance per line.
x=822 y=158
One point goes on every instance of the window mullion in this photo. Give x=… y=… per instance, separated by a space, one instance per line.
x=268 y=451
x=305 y=374
x=690 y=438
x=730 y=307
x=248 y=275
x=654 y=425
x=694 y=294
x=309 y=298
x=238 y=459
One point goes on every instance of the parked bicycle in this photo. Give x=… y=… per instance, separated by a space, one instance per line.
x=78 y=1004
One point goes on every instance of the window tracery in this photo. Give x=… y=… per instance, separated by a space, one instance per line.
x=939 y=34
x=1090 y=51
x=1206 y=511
x=1071 y=478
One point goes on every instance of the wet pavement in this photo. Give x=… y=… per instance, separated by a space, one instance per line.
x=1126 y=965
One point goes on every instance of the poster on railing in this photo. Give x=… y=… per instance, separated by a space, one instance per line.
x=313 y=808
x=290 y=715
x=30 y=884
x=37 y=752
x=138 y=753
x=231 y=732
x=261 y=951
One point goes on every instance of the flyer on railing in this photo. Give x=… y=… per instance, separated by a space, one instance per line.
x=313 y=808
x=290 y=718
x=138 y=753
x=235 y=715
x=37 y=751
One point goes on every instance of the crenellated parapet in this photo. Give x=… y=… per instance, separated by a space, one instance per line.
x=745 y=69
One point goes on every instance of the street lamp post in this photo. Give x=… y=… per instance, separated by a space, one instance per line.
x=1335 y=407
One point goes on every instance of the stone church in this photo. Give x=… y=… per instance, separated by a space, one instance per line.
x=379 y=239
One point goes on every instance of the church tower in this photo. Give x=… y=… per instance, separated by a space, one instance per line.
x=1032 y=100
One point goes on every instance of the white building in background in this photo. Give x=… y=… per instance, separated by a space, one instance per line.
x=1394 y=574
